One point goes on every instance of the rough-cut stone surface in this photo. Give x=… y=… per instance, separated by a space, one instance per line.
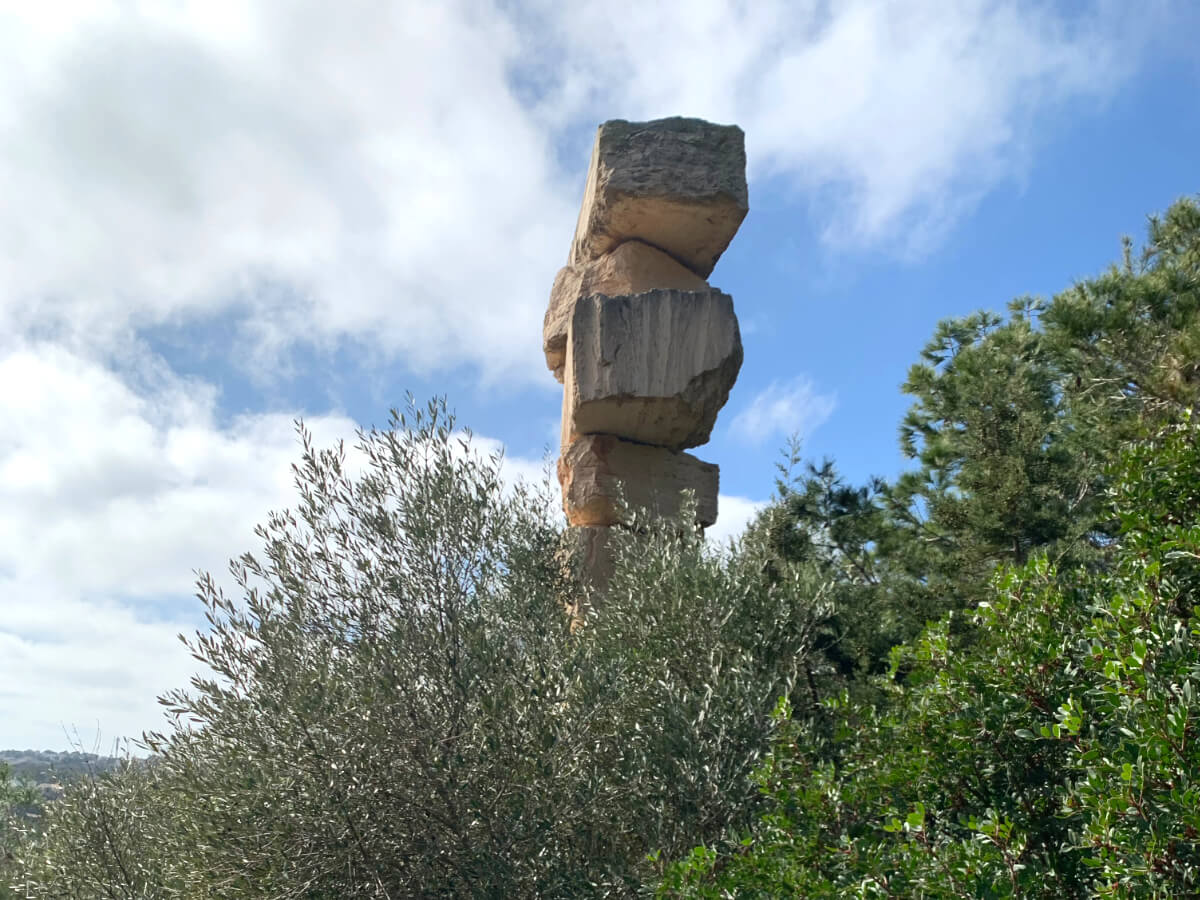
x=646 y=351
x=679 y=184
x=599 y=471
x=653 y=367
x=590 y=553
x=631 y=268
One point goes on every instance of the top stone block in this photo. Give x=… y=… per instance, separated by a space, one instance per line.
x=679 y=184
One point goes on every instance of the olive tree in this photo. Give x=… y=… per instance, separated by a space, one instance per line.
x=396 y=703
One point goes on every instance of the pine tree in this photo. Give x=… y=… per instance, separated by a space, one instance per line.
x=1014 y=419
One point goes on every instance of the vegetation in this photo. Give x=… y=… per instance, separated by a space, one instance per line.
x=977 y=681
x=397 y=704
x=1050 y=753
x=49 y=767
x=1000 y=750
x=20 y=806
x=1014 y=424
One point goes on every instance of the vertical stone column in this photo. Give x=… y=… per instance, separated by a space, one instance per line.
x=645 y=349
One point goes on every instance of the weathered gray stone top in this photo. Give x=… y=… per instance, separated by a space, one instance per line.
x=679 y=184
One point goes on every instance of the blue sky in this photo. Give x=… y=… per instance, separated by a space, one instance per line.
x=220 y=216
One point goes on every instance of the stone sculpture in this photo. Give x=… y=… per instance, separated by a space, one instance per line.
x=647 y=352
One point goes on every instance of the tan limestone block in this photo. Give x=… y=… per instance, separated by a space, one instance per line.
x=599 y=470
x=654 y=367
x=631 y=268
x=592 y=562
x=679 y=184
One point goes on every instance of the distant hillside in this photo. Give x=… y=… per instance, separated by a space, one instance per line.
x=54 y=767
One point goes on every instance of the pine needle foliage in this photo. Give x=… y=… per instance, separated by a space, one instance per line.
x=1035 y=736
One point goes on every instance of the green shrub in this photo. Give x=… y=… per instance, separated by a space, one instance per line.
x=398 y=705
x=1043 y=744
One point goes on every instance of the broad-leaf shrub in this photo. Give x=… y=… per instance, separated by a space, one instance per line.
x=1041 y=745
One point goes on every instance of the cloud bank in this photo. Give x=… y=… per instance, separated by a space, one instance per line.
x=404 y=177
x=407 y=175
x=113 y=492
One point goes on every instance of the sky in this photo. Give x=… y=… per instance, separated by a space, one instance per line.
x=216 y=218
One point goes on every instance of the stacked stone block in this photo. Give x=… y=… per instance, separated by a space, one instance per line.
x=646 y=350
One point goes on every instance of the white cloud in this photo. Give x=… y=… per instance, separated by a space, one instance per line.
x=114 y=489
x=362 y=171
x=782 y=409
x=733 y=515
x=110 y=497
x=893 y=118
x=82 y=667
x=391 y=173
